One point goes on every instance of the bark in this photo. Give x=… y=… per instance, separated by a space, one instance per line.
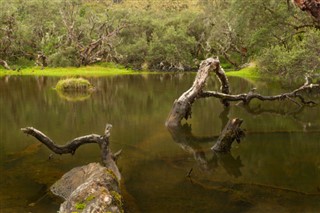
x=5 y=64
x=310 y=6
x=230 y=133
x=182 y=106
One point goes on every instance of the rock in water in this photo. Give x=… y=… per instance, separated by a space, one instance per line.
x=90 y=188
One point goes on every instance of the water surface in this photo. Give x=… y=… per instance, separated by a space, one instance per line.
x=275 y=168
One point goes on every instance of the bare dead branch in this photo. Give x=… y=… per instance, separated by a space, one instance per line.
x=247 y=97
x=73 y=145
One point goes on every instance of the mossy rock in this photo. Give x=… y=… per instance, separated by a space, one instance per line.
x=74 y=84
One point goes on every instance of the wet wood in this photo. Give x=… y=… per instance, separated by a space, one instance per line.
x=182 y=106
x=231 y=132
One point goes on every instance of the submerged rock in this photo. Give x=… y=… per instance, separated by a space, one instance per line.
x=90 y=188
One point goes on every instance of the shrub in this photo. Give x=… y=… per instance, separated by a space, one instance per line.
x=299 y=56
x=64 y=58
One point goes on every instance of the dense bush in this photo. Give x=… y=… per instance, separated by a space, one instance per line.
x=160 y=35
x=299 y=56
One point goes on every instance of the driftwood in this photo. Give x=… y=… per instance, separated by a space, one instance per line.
x=5 y=64
x=90 y=188
x=230 y=133
x=73 y=145
x=182 y=106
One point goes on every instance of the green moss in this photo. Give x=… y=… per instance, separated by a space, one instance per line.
x=96 y=70
x=74 y=84
x=111 y=173
x=248 y=72
x=80 y=206
x=91 y=197
x=116 y=198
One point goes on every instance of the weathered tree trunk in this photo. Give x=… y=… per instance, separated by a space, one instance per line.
x=230 y=133
x=5 y=64
x=182 y=106
x=90 y=188
x=311 y=6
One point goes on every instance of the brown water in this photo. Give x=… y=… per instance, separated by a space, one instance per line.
x=275 y=168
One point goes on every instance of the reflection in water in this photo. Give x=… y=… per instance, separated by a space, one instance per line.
x=74 y=96
x=277 y=152
x=207 y=161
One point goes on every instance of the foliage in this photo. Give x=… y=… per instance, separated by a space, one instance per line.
x=301 y=55
x=161 y=35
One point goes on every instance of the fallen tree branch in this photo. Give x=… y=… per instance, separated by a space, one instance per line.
x=182 y=106
x=247 y=97
x=68 y=148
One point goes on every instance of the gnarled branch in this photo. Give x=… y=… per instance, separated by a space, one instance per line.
x=247 y=97
x=68 y=148
x=182 y=106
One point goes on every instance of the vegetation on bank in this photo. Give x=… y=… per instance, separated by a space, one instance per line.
x=70 y=71
x=96 y=71
x=159 y=35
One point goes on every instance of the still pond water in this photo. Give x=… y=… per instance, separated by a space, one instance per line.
x=276 y=168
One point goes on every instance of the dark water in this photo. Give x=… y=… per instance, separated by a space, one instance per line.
x=275 y=168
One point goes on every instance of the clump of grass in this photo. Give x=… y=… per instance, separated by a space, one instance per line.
x=248 y=72
x=74 y=84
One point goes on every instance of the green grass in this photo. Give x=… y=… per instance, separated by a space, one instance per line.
x=248 y=72
x=96 y=70
x=74 y=84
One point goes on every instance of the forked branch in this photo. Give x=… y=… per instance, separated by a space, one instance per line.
x=73 y=145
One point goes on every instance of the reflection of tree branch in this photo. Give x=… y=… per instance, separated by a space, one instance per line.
x=229 y=163
x=190 y=143
x=279 y=111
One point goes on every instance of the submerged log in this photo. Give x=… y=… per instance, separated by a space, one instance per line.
x=231 y=132
x=90 y=188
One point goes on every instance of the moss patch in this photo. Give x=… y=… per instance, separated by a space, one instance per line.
x=80 y=206
x=74 y=84
x=116 y=198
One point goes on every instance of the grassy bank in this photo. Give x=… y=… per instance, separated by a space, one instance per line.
x=248 y=72
x=99 y=70
x=70 y=71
